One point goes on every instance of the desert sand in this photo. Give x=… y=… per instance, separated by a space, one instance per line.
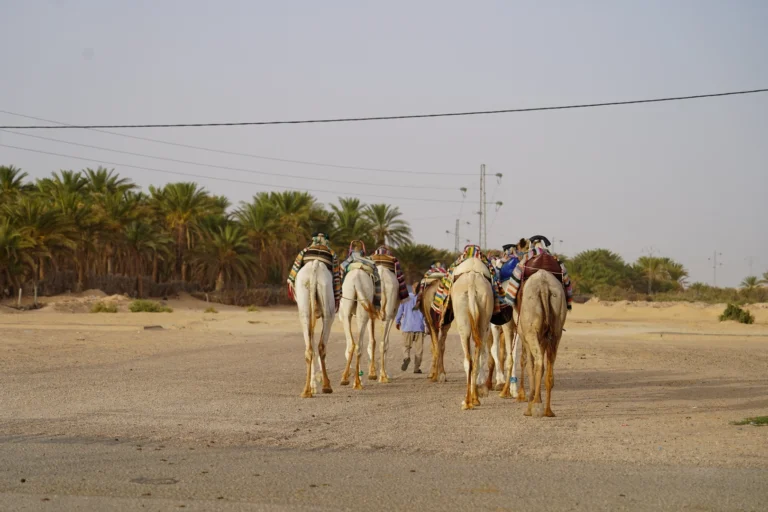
x=96 y=410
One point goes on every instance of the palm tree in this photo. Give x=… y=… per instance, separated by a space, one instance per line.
x=350 y=223
x=415 y=259
x=182 y=205
x=103 y=181
x=676 y=272
x=764 y=280
x=14 y=254
x=11 y=182
x=387 y=226
x=224 y=255
x=142 y=240
x=749 y=284
x=46 y=229
x=654 y=269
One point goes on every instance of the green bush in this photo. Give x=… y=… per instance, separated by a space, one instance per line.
x=148 y=306
x=101 y=307
x=211 y=310
x=734 y=312
x=253 y=309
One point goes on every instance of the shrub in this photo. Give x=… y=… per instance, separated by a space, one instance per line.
x=148 y=306
x=211 y=310
x=253 y=309
x=101 y=307
x=734 y=312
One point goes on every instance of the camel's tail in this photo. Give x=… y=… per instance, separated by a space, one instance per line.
x=474 y=312
x=313 y=300
x=549 y=338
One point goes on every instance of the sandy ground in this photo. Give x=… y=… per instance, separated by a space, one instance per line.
x=96 y=411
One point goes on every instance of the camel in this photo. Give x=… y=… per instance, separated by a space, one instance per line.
x=542 y=312
x=357 y=299
x=438 y=336
x=472 y=300
x=505 y=352
x=314 y=297
x=390 y=302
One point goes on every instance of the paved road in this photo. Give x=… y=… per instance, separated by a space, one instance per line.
x=39 y=473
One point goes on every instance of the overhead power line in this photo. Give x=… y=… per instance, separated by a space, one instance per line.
x=247 y=155
x=391 y=118
x=231 y=180
x=228 y=168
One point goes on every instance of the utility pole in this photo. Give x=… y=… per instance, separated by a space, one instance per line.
x=715 y=264
x=651 y=250
x=482 y=241
x=750 y=260
x=456 y=241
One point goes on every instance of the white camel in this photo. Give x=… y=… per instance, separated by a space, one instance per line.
x=314 y=296
x=542 y=312
x=357 y=300
x=390 y=302
x=472 y=299
x=506 y=343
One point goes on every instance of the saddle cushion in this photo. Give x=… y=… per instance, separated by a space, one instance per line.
x=320 y=253
x=543 y=262
x=385 y=260
x=507 y=268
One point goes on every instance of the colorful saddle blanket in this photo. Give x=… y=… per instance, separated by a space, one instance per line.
x=383 y=256
x=441 y=306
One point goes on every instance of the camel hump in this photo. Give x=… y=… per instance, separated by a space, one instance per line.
x=471 y=265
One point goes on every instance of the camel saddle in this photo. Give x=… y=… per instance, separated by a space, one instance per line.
x=385 y=260
x=543 y=262
x=320 y=253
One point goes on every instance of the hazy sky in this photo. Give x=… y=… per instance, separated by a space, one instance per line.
x=686 y=178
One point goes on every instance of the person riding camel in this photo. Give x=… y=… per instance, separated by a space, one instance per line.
x=384 y=256
x=529 y=252
x=319 y=248
x=357 y=254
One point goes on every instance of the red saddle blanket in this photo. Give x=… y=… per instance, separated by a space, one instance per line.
x=543 y=262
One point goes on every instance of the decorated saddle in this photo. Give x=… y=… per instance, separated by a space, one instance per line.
x=318 y=250
x=384 y=257
x=442 y=310
x=357 y=260
x=534 y=260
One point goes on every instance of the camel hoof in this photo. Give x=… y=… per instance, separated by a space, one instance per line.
x=442 y=378
x=466 y=407
x=344 y=382
x=549 y=414
x=384 y=379
x=482 y=391
x=372 y=376
x=527 y=412
x=505 y=394
x=328 y=390
x=358 y=385
x=432 y=376
x=499 y=386
x=306 y=394
x=475 y=401
x=538 y=410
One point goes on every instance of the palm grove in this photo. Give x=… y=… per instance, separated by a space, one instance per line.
x=94 y=224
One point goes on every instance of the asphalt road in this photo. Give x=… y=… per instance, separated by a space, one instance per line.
x=38 y=473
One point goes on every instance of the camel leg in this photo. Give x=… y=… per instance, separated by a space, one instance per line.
x=509 y=362
x=308 y=356
x=468 y=403
x=321 y=349
x=383 y=377
x=371 y=354
x=538 y=372
x=495 y=363
x=441 y=356
x=550 y=383
x=362 y=322
x=433 y=367
x=477 y=376
x=525 y=365
x=350 y=347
